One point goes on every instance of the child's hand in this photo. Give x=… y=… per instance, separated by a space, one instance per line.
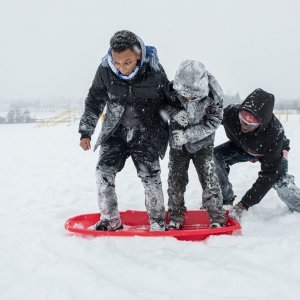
x=85 y=144
x=182 y=118
x=179 y=137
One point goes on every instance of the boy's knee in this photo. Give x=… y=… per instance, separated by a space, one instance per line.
x=152 y=177
x=105 y=178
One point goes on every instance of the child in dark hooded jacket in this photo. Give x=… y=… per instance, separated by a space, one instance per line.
x=192 y=138
x=255 y=133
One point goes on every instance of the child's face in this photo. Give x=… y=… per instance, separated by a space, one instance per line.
x=247 y=128
x=125 y=61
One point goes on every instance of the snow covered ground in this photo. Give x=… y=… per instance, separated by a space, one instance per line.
x=45 y=178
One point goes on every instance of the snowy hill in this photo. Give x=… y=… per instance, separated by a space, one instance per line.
x=45 y=178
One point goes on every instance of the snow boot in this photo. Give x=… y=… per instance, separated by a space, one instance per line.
x=157 y=225
x=215 y=225
x=109 y=225
x=174 y=225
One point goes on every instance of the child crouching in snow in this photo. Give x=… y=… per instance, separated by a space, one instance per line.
x=192 y=138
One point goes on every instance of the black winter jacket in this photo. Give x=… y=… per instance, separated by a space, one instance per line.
x=146 y=92
x=265 y=143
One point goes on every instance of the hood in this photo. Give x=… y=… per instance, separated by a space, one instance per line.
x=260 y=103
x=149 y=54
x=191 y=79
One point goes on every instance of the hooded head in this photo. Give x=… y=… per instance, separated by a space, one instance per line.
x=191 y=79
x=260 y=104
x=249 y=122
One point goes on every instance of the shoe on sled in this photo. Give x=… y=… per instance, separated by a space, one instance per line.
x=157 y=225
x=109 y=225
x=174 y=225
x=215 y=225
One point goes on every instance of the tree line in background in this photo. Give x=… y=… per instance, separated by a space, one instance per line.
x=60 y=103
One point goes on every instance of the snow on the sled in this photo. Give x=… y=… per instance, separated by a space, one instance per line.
x=46 y=178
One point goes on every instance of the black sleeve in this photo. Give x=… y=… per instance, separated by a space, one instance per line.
x=268 y=175
x=94 y=106
x=169 y=94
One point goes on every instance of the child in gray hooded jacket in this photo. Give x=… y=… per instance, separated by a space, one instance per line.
x=192 y=138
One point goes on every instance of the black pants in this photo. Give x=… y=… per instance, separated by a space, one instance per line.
x=226 y=155
x=134 y=142
x=143 y=149
x=179 y=161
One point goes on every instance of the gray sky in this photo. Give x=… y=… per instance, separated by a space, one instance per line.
x=53 y=47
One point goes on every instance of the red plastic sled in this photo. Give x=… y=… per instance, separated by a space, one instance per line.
x=136 y=223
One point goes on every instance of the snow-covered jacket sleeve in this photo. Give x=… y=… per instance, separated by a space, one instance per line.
x=94 y=106
x=210 y=122
x=214 y=113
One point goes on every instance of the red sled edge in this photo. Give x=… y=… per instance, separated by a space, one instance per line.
x=136 y=223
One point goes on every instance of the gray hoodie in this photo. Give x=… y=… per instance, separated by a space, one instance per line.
x=205 y=112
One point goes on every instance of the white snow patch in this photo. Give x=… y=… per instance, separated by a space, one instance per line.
x=46 y=178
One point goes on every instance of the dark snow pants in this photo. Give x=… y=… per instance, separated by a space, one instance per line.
x=137 y=143
x=179 y=161
x=228 y=154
